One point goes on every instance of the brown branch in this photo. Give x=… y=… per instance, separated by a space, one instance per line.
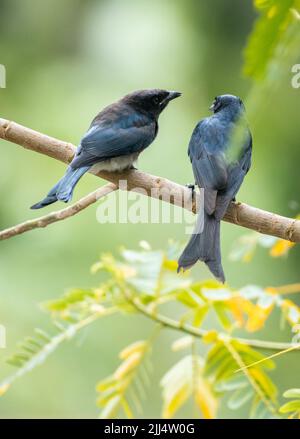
x=156 y=187
x=59 y=215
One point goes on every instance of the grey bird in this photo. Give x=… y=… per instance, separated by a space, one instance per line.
x=220 y=152
x=116 y=137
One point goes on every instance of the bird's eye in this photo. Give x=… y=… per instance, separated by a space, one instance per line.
x=156 y=100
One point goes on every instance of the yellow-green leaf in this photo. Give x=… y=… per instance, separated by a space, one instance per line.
x=291 y=406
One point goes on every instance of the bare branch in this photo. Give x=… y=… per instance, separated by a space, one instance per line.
x=237 y=213
x=58 y=215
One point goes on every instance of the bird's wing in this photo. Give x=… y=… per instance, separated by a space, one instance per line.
x=208 y=161
x=103 y=141
x=205 y=151
x=245 y=159
x=236 y=174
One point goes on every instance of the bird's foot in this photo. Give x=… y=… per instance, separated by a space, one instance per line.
x=234 y=200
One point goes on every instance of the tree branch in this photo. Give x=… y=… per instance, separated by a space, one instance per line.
x=156 y=187
x=59 y=215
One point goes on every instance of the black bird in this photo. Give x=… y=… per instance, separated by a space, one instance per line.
x=220 y=152
x=116 y=137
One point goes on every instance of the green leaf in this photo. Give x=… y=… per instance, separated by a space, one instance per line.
x=182 y=381
x=105 y=384
x=216 y=355
x=267 y=34
x=225 y=369
x=182 y=343
x=200 y=314
x=234 y=383
x=126 y=408
x=72 y=297
x=43 y=335
x=146 y=267
x=222 y=315
x=129 y=373
x=239 y=398
x=250 y=356
x=190 y=298
x=175 y=400
x=106 y=396
x=216 y=294
x=265 y=383
x=259 y=410
x=291 y=406
x=292 y=393
x=111 y=408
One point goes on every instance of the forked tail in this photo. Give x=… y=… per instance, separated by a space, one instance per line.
x=204 y=247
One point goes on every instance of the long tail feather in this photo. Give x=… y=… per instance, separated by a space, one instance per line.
x=63 y=190
x=205 y=247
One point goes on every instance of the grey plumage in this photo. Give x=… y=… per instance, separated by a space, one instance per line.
x=116 y=137
x=220 y=152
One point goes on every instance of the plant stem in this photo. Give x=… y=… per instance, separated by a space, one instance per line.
x=199 y=332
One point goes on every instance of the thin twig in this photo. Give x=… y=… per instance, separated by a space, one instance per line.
x=277 y=354
x=200 y=332
x=59 y=215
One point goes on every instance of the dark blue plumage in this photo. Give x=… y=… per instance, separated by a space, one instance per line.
x=116 y=137
x=220 y=152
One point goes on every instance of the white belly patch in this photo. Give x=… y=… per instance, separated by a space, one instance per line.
x=116 y=164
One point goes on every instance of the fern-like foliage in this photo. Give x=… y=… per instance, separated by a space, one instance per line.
x=70 y=314
x=144 y=281
x=36 y=349
x=125 y=388
x=186 y=380
x=252 y=386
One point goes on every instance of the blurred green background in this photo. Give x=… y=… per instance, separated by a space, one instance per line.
x=65 y=61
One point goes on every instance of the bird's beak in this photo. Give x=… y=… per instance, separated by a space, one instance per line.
x=172 y=95
x=212 y=107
